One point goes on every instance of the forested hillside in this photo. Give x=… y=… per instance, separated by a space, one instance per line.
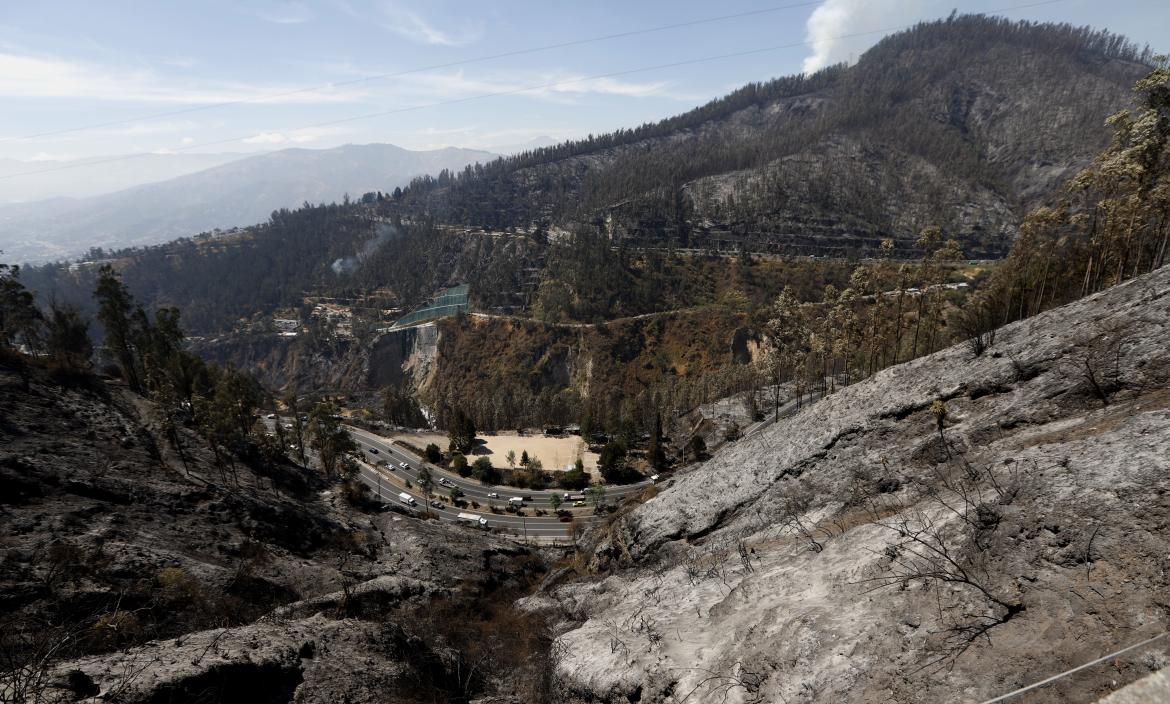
x=958 y=123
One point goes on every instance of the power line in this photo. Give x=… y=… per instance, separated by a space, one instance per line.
x=1078 y=668
x=497 y=94
x=419 y=69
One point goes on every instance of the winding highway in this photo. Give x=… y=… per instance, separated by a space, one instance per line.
x=390 y=470
x=388 y=481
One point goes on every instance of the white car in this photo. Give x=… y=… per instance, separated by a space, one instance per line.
x=493 y=495
x=404 y=465
x=446 y=482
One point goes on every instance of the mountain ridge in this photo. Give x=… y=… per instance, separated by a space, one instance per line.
x=939 y=124
x=236 y=194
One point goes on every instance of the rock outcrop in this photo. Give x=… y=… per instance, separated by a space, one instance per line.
x=948 y=530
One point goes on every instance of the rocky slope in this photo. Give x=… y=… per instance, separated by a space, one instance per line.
x=141 y=575
x=878 y=546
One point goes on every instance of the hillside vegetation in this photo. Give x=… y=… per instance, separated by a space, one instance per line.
x=950 y=123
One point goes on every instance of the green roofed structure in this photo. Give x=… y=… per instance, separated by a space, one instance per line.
x=445 y=303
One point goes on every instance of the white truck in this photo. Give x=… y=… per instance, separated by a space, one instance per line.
x=516 y=501
x=474 y=519
x=407 y=499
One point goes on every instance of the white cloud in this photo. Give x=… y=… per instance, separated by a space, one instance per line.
x=610 y=86
x=301 y=136
x=287 y=12
x=840 y=30
x=554 y=85
x=413 y=26
x=29 y=76
x=45 y=156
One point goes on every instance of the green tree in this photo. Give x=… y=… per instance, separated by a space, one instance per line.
x=459 y=464
x=483 y=469
x=555 y=500
x=426 y=482
x=19 y=317
x=656 y=453
x=67 y=338
x=461 y=432
x=787 y=340
x=612 y=462
x=511 y=459
x=116 y=311
x=225 y=416
x=328 y=438
x=596 y=494
x=298 y=424
x=434 y=455
x=697 y=447
x=536 y=473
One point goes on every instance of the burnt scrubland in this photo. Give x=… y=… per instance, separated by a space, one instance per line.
x=135 y=574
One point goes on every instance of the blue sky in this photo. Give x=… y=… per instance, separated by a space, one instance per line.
x=65 y=65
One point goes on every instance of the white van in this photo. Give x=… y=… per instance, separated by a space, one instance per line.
x=516 y=501
x=407 y=499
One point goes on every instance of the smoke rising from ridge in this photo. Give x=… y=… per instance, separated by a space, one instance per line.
x=832 y=21
x=383 y=233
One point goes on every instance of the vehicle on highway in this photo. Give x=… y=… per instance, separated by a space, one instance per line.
x=578 y=503
x=516 y=501
x=575 y=497
x=493 y=495
x=474 y=518
x=436 y=503
x=373 y=450
x=446 y=482
x=404 y=465
x=407 y=499
x=270 y=416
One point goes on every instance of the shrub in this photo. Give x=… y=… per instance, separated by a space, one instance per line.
x=459 y=464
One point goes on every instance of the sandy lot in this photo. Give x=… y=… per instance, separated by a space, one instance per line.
x=554 y=453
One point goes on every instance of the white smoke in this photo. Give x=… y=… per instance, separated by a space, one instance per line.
x=840 y=30
x=382 y=234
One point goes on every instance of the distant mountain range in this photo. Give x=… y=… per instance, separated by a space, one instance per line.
x=241 y=192
x=27 y=180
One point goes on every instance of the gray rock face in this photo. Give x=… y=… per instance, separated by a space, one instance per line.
x=856 y=552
